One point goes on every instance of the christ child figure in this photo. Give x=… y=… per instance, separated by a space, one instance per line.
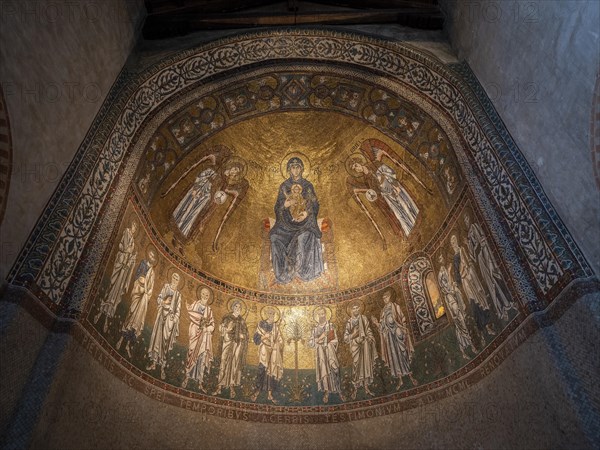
x=298 y=203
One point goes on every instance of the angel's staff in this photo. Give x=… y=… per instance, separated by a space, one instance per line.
x=235 y=195
x=212 y=157
x=379 y=153
x=364 y=208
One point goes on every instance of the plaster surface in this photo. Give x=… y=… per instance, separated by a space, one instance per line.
x=538 y=62
x=58 y=61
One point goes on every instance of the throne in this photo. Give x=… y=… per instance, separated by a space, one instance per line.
x=327 y=282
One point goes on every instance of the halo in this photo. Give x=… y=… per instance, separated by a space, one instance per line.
x=351 y=304
x=393 y=296
x=151 y=247
x=232 y=300
x=328 y=313
x=199 y=290
x=351 y=159
x=263 y=312
x=286 y=158
x=138 y=226
x=170 y=271
x=235 y=160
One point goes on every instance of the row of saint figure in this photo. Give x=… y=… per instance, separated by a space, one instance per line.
x=462 y=292
x=396 y=344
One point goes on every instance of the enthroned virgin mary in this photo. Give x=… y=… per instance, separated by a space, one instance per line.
x=296 y=239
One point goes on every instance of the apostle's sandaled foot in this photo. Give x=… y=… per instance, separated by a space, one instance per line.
x=105 y=327
x=326 y=397
x=342 y=398
x=185 y=382
x=119 y=343
x=202 y=388
x=218 y=391
x=368 y=391
x=413 y=380
x=490 y=331
x=271 y=399
x=399 y=385
x=128 y=350
x=97 y=317
x=254 y=396
x=151 y=366
x=353 y=395
x=231 y=392
x=163 y=375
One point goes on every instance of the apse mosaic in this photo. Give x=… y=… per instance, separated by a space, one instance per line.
x=321 y=251
x=166 y=321
x=298 y=241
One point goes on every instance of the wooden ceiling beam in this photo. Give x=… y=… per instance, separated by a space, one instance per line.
x=164 y=25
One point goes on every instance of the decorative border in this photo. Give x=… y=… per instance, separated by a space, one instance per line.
x=529 y=214
x=59 y=247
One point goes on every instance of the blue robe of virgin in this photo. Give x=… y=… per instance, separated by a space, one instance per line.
x=296 y=246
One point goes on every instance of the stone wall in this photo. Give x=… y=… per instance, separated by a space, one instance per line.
x=58 y=61
x=538 y=62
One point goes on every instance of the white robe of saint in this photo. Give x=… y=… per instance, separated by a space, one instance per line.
x=200 y=355
x=121 y=274
x=140 y=296
x=234 y=334
x=399 y=201
x=453 y=303
x=396 y=345
x=166 y=326
x=194 y=202
x=470 y=281
x=270 y=350
x=325 y=342
x=490 y=271
x=359 y=335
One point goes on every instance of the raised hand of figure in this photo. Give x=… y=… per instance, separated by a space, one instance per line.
x=374 y=321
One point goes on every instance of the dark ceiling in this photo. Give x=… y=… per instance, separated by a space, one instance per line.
x=169 y=18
